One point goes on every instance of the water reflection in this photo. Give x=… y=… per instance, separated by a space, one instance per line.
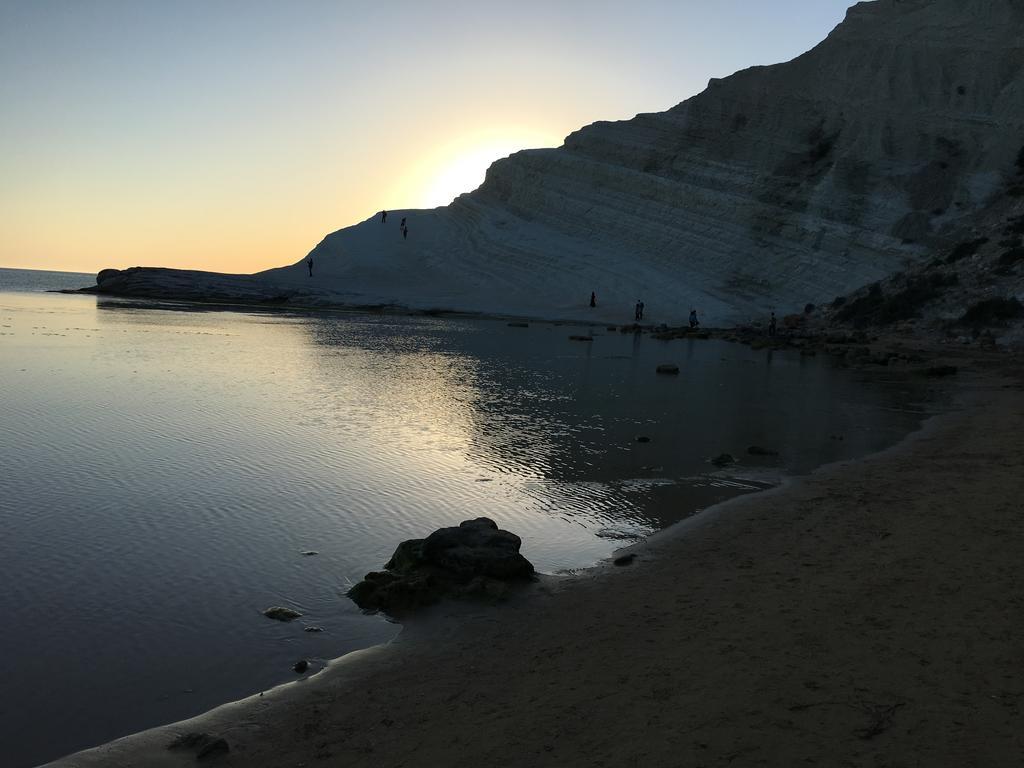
x=165 y=468
x=561 y=418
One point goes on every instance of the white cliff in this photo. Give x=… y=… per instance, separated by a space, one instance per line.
x=775 y=187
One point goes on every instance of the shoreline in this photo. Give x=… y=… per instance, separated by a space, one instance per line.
x=501 y=675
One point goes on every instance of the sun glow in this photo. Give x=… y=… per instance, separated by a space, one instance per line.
x=460 y=166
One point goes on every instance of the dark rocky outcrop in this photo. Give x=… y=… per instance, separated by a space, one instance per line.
x=105 y=274
x=474 y=559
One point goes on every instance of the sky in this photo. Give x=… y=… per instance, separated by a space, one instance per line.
x=234 y=135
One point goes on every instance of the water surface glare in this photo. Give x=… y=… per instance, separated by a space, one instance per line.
x=164 y=469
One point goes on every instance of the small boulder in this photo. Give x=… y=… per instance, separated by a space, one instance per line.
x=473 y=559
x=668 y=368
x=477 y=547
x=624 y=559
x=313 y=629
x=643 y=439
x=723 y=460
x=280 y=613
x=301 y=666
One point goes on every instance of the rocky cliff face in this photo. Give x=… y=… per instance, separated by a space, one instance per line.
x=777 y=186
x=896 y=138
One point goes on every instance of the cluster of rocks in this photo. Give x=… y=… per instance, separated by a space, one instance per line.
x=474 y=559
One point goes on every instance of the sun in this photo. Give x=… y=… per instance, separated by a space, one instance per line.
x=460 y=166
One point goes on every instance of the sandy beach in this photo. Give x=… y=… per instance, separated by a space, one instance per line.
x=869 y=614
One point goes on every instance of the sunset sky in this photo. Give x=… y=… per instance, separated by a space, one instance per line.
x=232 y=136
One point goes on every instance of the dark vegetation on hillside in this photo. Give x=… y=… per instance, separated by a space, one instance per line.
x=992 y=312
x=878 y=308
x=965 y=249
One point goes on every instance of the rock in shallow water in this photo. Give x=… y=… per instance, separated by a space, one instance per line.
x=281 y=613
x=723 y=460
x=474 y=559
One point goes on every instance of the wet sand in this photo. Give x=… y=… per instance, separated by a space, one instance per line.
x=870 y=614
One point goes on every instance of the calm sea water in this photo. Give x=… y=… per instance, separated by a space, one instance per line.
x=165 y=468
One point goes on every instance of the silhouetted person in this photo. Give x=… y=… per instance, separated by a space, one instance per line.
x=636 y=310
x=309 y=263
x=771 y=325
x=405 y=231
x=694 y=322
x=593 y=299
x=383 y=216
x=641 y=310
x=401 y=224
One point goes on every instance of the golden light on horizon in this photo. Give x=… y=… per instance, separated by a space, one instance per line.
x=459 y=166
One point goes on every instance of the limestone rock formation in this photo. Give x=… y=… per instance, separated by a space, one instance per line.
x=475 y=558
x=191 y=285
x=776 y=187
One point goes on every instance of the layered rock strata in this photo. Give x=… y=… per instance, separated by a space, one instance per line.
x=775 y=187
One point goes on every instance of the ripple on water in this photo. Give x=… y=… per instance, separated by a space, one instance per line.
x=158 y=490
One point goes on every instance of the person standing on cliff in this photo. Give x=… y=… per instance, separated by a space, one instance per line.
x=383 y=216
x=593 y=299
x=309 y=263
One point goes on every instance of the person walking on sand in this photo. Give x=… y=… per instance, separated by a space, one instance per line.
x=694 y=322
x=771 y=325
x=383 y=216
x=593 y=299
x=309 y=263
x=636 y=310
x=641 y=310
